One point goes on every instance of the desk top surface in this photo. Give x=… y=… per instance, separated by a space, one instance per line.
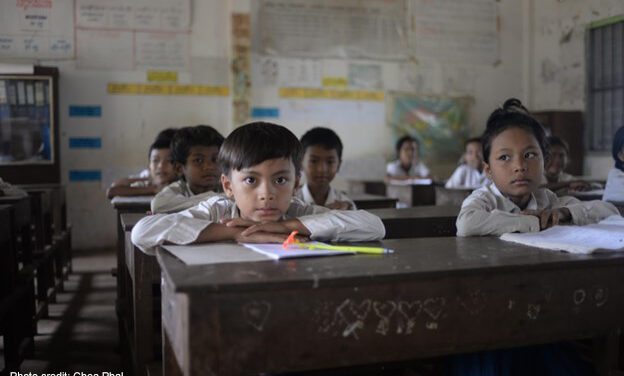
x=369 y=197
x=413 y=258
x=427 y=211
x=128 y=220
x=132 y=202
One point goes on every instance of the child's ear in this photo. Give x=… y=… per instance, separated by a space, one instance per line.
x=226 y=183
x=621 y=155
x=177 y=167
x=487 y=170
x=297 y=182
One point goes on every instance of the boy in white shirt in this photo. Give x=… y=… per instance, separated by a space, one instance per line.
x=614 y=190
x=322 y=155
x=555 y=178
x=514 y=144
x=469 y=175
x=194 y=151
x=260 y=164
x=408 y=165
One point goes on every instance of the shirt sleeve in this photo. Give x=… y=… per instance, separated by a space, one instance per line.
x=344 y=225
x=587 y=212
x=168 y=201
x=423 y=170
x=479 y=216
x=178 y=228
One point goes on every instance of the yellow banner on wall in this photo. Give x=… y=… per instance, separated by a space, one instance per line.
x=163 y=89
x=162 y=76
x=340 y=82
x=352 y=95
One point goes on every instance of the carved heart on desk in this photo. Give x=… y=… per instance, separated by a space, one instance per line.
x=434 y=306
x=256 y=313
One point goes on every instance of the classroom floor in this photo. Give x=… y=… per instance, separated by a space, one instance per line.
x=81 y=332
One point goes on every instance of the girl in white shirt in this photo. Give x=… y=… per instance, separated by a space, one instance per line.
x=614 y=190
x=470 y=173
x=514 y=145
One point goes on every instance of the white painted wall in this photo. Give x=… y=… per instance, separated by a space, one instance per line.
x=129 y=123
x=557 y=67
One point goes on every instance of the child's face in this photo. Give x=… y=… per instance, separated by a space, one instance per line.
x=474 y=155
x=516 y=164
x=262 y=192
x=408 y=153
x=201 y=170
x=161 y=167
x=557 y=161
x=320 y=165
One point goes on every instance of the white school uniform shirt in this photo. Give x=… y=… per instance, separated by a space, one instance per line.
x=466 y=176
x=324 y=224
x=487 y=212
x=614 y=190
x=419 y=169
x=334 y=195
x=10 y=190
x=176 y=197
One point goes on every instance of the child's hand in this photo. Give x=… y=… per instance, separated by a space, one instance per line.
x=579 y=185
x=339 y=205
x=238 y=222
x=261 y=237
x=281 y=227
x=550 y=217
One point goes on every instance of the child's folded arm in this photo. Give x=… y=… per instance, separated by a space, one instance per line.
x=587 y=212
x=344 y=225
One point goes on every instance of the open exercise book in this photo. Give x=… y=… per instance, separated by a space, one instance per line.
x=607 y=234
x=413 y=181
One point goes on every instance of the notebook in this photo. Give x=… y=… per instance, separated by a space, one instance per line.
x=607 y=234
x=277 y=252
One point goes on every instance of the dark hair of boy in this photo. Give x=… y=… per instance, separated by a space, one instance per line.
x=187 y=137
x=163 y=140
x=556 y=141
x=403 y=140
x=471 y=140
x=254 y=143
x=618 y=146
x=512 y=114
x=324 y=137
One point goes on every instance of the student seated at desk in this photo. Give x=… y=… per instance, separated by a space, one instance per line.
x=614 y=190
x=194 y=152
x=470 y=173
x=322 y=155
x=9 y=190
x=556 y=161
x=408 y=165
x=514 y=144
x=260 y=164
x=161 y=171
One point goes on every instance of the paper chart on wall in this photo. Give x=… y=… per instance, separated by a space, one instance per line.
x=330 y=29
x=104 y=49
x=455 y=30
x=36 y=29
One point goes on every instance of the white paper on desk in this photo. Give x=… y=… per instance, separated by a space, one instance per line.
x=214 y=253
x=276 y=251
x=415 y=181
x=607 y=234
x=132 y=199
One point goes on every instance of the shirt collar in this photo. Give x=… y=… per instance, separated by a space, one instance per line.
x=509 y=205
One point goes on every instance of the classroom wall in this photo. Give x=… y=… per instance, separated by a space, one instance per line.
x=557 y=67
x=129 y=122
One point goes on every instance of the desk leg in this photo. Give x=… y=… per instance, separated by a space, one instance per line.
x=122 y=297
x=170 y=364
x=606 y=353
x=143 y=302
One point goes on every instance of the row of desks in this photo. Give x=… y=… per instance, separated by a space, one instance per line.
x=35 y=259
x=434 y=296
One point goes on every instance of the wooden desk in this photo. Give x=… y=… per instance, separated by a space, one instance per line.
x=141 y=319
x=448 y=196
x=130 y=204
x=17 y=296
x=412 y=195
x=419 y=221
x=433 y=296
x=368 y=201
x=588 y=195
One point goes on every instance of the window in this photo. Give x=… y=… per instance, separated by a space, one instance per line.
x=605 y=83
